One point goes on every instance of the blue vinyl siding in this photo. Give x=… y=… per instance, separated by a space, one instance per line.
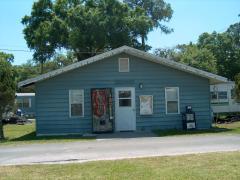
x=53 y=101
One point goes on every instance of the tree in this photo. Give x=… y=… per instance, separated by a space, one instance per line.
x=200 y=58
x=26 y=71
x=168 y=53
x=59 y=61
x=7 y=86
x=226 y=49
x=39 y=32
x=237 y=87
x=157 y=10
x=31 y=69
x=234 y=32
x=215 y=52
x=191 y=55
x=7 y=57
x=84 y=27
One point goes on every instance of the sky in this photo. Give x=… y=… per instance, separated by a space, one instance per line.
x=190 y=19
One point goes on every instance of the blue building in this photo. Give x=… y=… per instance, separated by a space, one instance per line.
x=121 y=90
x=26 y=102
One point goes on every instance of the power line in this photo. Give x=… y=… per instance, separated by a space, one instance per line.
x=21 y=50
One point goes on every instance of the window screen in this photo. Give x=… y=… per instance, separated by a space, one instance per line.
x=222 y=95
x=213 y=95
x=26 y=103
x=23 y=103
x=123 y=65
x=124 y=98
x=172 y=98
x=76 y=98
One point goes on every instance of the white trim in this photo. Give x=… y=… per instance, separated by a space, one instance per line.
x=119 y=69
x=166 y=110
x=214 y=79
x=24 y=94
x=69 y=103
x=133 y=105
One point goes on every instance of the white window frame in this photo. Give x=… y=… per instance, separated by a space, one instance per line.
x=167 y=100
x=69 y=104
x=119 y=69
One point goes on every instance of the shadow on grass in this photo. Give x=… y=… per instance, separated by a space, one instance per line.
x=32 y=137
x=173 y=132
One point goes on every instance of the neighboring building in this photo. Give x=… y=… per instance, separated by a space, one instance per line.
x=121 y=90
x=223 y=98
x=26 y=102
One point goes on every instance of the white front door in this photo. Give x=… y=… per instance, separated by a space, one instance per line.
x=125 y=110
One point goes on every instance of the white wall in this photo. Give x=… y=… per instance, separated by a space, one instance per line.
x=224 y=105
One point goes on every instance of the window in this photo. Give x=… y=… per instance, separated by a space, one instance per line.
x=213 y=95
x=172 y=100
x=124 y=98
x=24 y=103
x=219 y=95
x=123 y=64
x=76 y=103
x=222 y=95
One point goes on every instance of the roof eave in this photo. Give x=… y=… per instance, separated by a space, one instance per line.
x=213 y=78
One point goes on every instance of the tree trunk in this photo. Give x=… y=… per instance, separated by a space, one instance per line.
x=1 y=127
x=143 y=42
x=41 y=68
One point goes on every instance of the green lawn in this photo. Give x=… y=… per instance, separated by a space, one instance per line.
x=22 y=134
x=201 y=166
x=231 y=128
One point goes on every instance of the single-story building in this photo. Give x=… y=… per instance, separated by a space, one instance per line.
x=124 y=89
x=26 y=102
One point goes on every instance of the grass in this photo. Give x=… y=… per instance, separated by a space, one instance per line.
x=25 y=134
x=231 y=128
x=200 y=166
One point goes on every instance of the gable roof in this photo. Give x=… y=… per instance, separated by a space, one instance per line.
x=214 y=79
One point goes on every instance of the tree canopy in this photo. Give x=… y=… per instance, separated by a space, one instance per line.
x=237 y=87
x=214 y=52
x=191 y=55
x=7 y=85
x=226 y=51
x=157 y=10
x=88 y=27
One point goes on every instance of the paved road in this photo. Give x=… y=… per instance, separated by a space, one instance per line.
x=116 y=148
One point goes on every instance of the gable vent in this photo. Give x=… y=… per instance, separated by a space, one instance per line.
x=123 y=64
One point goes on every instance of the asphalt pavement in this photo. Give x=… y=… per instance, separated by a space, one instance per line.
x=116 y=147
